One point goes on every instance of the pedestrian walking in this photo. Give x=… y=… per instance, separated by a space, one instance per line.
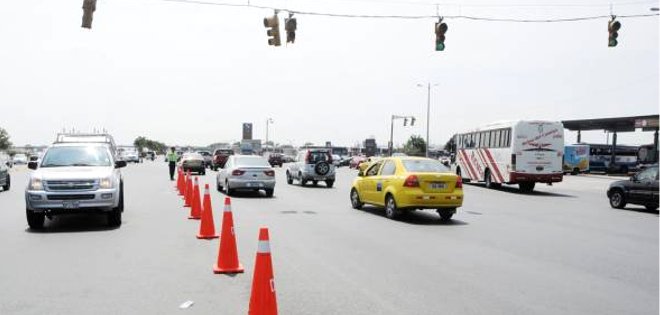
x=172 y=157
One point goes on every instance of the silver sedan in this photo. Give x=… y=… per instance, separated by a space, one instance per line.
x=246 y=172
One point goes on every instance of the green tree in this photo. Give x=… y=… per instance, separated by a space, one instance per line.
x=416 y=146
x=4 y=139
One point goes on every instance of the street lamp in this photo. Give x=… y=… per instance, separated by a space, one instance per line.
x=428 y=112
x=268 y=121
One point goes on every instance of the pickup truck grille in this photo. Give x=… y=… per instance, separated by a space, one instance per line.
x=70 y=185
x=71 y=197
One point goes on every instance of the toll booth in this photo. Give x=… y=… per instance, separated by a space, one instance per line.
x=614 y=126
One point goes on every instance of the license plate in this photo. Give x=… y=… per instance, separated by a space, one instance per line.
x=74 y=204
x=438 y=185
x=255 y=185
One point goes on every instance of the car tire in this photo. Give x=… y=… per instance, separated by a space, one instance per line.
x=526 y=187
x=289 y=180
x=203 y=172
x=329 y=183
x=228 y=191
x=617 y=199
x=391 y=210
x=114 y=217
x=575 y=171
x=218 y=187
x=7 y=184
x=314 y=183
x=35 y=220
x=269 y=192
x=446 y=214
x=651 y=207
x=356 y=203
x=302 y=181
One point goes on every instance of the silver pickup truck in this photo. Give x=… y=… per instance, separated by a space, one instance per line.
x=75 y=177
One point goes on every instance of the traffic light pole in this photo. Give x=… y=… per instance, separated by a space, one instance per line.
x=391 y=144
x=428 y=115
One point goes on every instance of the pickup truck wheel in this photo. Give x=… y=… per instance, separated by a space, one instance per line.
x=35 y=220
x=114 y=217
x=7 y=184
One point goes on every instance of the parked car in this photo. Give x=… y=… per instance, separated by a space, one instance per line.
x=130 y=156
x=208 y=158
x=336 y=160
x=193 y=162
x=220 y=157
x=246 y=172
x=276 y=159
x=408 y=183
x=6 y=160
x=20 y=158
x=75 y=178
x=356 y=160
x=313 y=165
x=345 y=160
x=5 y=178
x=640 y=189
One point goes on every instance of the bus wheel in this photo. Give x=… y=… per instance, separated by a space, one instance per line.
x=489 y=180
x=527 y=187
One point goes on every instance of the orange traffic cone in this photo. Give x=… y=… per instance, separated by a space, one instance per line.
x=262 y=298
x=227 y=254
x=187 y=195
x=179 y=181
x=196 y=209
x=206 y=227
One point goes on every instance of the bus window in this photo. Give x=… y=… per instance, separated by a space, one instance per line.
x=497 y=139
x=477 y=140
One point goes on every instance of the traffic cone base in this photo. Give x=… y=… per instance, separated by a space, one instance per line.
x=237 y=269
x=207 y=237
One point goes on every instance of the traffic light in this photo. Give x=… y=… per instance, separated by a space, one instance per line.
x=613 y=27
x=440 y=30
x=290 y=27
x=412 y=121
x=405 y=122
x=274 y=30
x=89 y=6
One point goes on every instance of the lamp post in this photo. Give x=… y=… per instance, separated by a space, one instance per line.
x=428 y=112
x=268 y=121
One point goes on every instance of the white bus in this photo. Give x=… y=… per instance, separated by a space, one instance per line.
x=516 y=152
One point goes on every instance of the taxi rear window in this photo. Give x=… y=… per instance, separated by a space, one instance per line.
x=425 y=166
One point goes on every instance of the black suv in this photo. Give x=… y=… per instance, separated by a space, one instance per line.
x=640 y=189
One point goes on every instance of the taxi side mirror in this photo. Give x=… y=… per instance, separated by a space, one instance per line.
x=32 y=165
x=360 y=173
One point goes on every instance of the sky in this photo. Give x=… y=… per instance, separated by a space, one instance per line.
x=185 y=73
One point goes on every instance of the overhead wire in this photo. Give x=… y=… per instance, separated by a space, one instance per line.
x=413 y=17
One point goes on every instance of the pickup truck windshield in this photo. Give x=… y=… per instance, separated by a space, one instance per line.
x=76 y=156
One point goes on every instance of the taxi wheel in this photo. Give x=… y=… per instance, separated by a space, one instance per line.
x=391 y=210
x=355 y=200
x=445 y=215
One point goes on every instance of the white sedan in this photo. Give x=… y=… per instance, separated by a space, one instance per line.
x=246 y=172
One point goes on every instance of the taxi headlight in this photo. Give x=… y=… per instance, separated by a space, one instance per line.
x=105 y=183
x=35 y=184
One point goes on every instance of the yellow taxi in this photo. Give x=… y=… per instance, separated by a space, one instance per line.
x=408 y=183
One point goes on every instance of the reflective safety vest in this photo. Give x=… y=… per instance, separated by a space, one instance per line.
x=172 y=157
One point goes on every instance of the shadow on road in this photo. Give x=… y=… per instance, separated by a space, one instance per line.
x=72 y=223
x=515 y=190
x=422 y=217
x=640 y=209
x=247 y=194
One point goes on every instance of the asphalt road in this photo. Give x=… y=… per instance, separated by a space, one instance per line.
x=561 y=250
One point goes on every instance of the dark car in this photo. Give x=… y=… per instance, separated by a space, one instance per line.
x=640 y=189
x=276 y=159
x=220 y=158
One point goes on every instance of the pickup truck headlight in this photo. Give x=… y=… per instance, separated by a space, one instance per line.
x=35 y=184
x=105 y=183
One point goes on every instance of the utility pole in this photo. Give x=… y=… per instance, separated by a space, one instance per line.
x=428 y=112
x=268 y=121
